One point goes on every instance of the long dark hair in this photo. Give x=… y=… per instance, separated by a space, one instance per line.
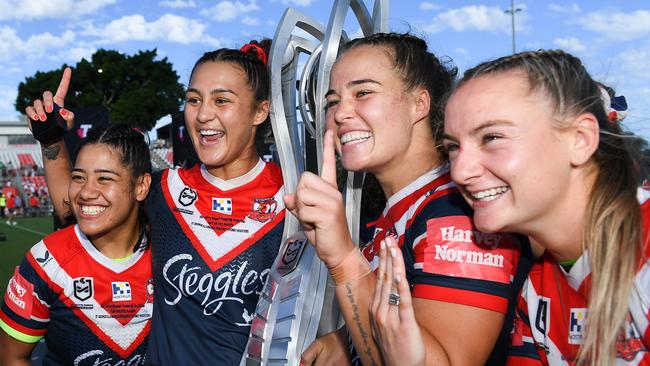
x=257 y=77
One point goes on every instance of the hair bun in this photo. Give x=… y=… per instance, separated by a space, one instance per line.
x=256 y=51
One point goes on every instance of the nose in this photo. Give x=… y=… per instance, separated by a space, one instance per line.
x=343 y=111
x=466 y=165
x=206 y=113
x=89 y=190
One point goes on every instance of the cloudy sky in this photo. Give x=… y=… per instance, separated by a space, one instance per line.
x=612 y=38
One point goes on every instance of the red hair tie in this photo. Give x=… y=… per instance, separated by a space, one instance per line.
x=261 y=55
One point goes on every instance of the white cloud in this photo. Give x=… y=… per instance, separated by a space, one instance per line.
x=169 y=27
x=635 y=64
x=75 y=54
x=39 y=9
x=294 y=2
x=178 y=4
x=250 y=21
x=37 y=45
x=228 y=10
x=7 y=99
x=474 y=17
x=564 y=9
x=618 y=26
x=429 y=6
x=570 y=44
x=461 y=51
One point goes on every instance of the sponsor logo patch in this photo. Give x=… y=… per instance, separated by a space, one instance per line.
x=45 y=259
x=121 y=291
x=577 y=321
x=263 y=209
x=83 y=288
x=222 y=205
x=187 y=196
x=454 y=247
x=19 y=295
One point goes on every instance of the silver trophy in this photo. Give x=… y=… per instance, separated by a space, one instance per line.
x=296 y=304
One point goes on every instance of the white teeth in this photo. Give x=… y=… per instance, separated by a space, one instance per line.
x=489 y=194
x=210 y=132
x=356 y=136
x=92 y=210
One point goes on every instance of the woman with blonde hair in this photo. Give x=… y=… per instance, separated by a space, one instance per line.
x=535 y=149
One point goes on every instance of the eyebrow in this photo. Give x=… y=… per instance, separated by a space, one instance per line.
x=476 y=130
x=213 y=91
x=96 y=171
x=354 y=83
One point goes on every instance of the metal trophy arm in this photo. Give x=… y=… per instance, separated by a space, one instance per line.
x=288 y=313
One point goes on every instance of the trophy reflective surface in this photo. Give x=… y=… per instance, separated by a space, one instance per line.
x=297 y=304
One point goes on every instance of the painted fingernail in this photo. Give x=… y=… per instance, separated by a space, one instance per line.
x=49 y=109
x=35 y=117
x=393 y=252
x=42 y=117
x=63 y=112
x=382 y=244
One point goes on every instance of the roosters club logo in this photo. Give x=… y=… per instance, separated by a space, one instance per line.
x=187 y=196
x=263 y=209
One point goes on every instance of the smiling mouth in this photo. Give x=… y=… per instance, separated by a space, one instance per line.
x=489 y=194
x=355 y=137
x=92 y=210
x=211 y=135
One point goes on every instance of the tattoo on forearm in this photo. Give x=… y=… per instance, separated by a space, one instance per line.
x=51 y=152
x=357 y=320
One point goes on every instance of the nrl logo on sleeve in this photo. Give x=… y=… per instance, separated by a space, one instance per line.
x=82 y=288
x=187 y=196
x=263 y=209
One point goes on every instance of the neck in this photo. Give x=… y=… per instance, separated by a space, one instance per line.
x=118 y=243
x=236 y=168
x=561 y=232
x=420 y=157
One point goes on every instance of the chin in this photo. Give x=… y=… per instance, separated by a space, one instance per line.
x=488 y=224
x=354 y=165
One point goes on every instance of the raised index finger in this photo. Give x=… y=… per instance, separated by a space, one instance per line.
x=328 y=173
x=62 y=90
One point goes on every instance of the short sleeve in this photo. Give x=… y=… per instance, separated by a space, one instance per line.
x=25 y=312
x=455 y=262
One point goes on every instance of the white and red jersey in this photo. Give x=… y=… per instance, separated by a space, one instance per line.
x=91 y=309
x=446 y=257
x=213 y=244
x=553 y=310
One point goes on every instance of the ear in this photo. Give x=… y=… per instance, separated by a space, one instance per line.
x=261 y=113
x=586 y=136
x=422 y=104
x=142 y=187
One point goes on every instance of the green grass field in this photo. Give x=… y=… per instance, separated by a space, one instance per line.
x=20 y=238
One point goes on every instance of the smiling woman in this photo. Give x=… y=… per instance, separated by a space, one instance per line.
x=212 y=245
x=87 y=289
x=384 y=115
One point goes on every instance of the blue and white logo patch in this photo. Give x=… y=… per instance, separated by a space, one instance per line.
x=121 y=291
x=577 y=321
x=222 y=205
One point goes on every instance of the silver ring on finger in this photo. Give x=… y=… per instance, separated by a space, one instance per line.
x=393 y=299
